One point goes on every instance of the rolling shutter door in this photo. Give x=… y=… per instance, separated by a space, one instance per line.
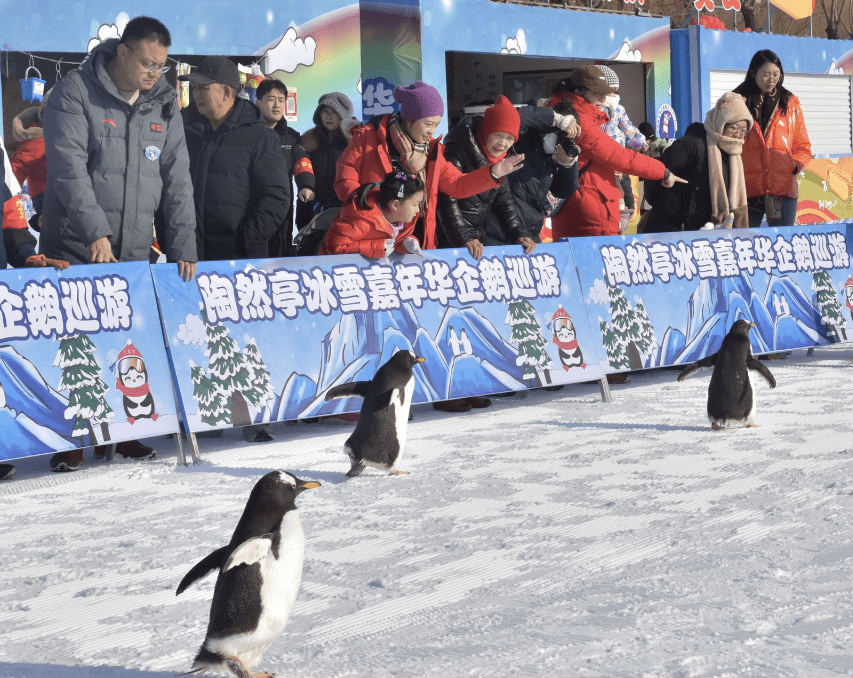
x=825 y=100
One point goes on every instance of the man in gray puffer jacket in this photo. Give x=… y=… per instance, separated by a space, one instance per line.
x=115 y=152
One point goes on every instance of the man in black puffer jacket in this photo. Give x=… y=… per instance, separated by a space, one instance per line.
x=547 y=167
x=471 y=144
x=240 y=181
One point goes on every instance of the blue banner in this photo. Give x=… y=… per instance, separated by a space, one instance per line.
x=82 y=360
x=664 y=299
x=257 y=341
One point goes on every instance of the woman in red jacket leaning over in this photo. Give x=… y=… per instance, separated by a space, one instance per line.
x=777 y=148
x=594 y=208
x=402 y=142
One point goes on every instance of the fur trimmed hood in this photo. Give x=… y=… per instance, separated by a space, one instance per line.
x=25 y=125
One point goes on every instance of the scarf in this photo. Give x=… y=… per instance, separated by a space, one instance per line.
x=133 y=391
x=412 y=156
x=566 y=345
x=731 y=199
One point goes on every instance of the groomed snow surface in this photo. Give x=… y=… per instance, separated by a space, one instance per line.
x=550 y=535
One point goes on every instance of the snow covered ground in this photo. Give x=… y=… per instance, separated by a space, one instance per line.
x=550 y=535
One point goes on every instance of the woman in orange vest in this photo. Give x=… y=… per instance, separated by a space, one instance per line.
x=777 y=148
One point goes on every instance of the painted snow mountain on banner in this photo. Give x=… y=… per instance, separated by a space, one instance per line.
x=465 y=350
x=784 y=315
x=32 y=414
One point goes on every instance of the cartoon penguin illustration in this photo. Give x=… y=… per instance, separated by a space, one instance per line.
x=380 y=435
x=259 y=576
x=848 y=295
x=132 y=381
x=566 y=340
x=730 y=398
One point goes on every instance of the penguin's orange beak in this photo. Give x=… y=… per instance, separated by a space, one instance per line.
x=308 y=485
x=752 y=324
x=420 y=360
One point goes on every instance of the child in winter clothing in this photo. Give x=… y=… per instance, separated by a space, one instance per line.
x=622 y=130
x=378 y=219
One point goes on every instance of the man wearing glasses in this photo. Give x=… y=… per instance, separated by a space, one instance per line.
x=115 y=153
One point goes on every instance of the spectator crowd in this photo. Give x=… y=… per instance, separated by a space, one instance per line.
x=116 y=171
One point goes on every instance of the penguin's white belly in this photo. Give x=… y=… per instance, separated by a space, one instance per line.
x=280 y=583
x=401 y=415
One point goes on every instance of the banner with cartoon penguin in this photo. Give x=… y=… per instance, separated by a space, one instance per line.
x=664 y=299
x=82 y=360
x=257 y=341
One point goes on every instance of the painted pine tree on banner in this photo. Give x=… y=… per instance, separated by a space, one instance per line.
x=626 y=329
x=647 y=342
x=261 y=391
x=532 y=346
x=81 y=377
x=228 y=372
x=616 y=356
x=212 y=406
x=830 y=307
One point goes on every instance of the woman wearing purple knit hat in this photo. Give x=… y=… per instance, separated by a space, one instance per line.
x=403 y=142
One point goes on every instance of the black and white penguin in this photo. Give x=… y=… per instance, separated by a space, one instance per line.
x=380 y=435
x=132 y=381
x=730 y=398
x=258 y=578
x=566 y=340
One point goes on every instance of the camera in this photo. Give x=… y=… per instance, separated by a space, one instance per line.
x=570 y=148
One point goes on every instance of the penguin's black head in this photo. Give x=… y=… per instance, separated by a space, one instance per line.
x=742 y=326
x=278 y=490
x=406 y=359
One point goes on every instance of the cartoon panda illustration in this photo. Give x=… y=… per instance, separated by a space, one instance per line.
x=566 y=340
x=132 y=381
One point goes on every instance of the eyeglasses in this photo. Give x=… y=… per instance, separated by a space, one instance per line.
x=151 y=68
x=734 y=130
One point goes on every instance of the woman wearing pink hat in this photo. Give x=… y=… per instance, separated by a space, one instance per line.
x=403 y=142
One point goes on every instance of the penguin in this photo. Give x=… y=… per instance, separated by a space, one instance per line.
x=730 y=398
x=132 y=381
x=380 y=435
x=259 y=575
x=566 y=340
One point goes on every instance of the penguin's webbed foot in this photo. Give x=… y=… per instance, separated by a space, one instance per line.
x=399 y=473
x=752 y=424
x=240 y=670
x=717 y=426
x=356 y=469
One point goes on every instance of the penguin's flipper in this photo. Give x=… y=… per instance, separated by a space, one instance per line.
x=357 y=389
x=698 y=365
x=756 y=365
x=251 y=551
x=210 y=562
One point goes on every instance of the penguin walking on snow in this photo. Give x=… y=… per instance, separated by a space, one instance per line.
x=730 y=398
x=259 y=574
x=380 y=435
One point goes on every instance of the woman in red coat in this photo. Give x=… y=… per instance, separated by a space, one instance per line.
x=378 y=219
x=403 y=142
x=594 y=208
x=777 y=148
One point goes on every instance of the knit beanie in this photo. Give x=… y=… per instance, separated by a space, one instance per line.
x=499 y=117
x=610 y=75
x=339 y=103
x=418 y=100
